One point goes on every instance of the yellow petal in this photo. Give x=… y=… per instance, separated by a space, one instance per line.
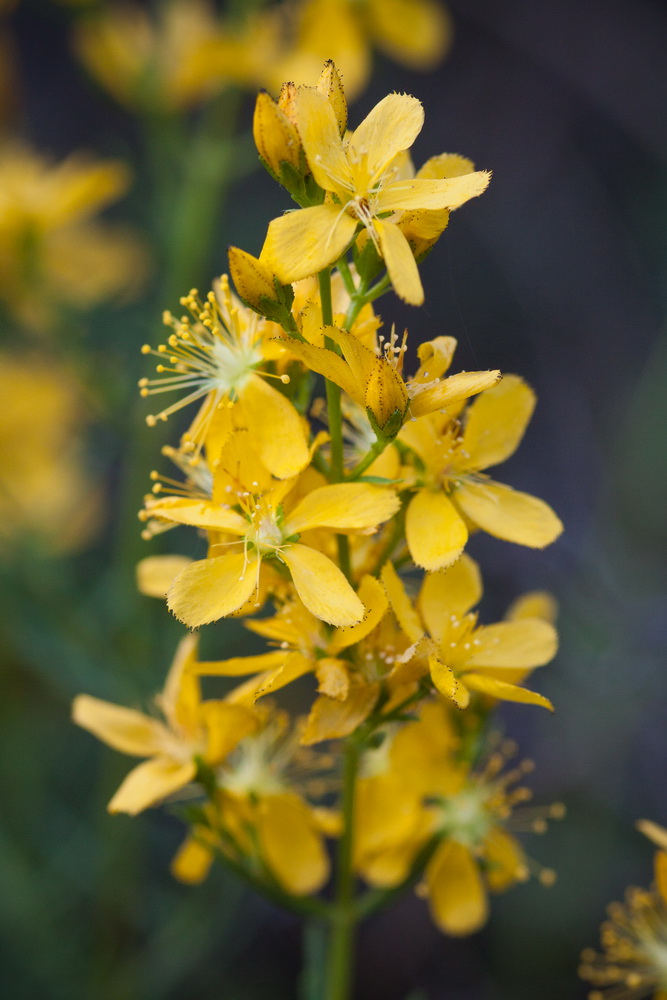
x=654 y=832
x=432 y=194
x=451 y=390
x=447 y=683
x=197 y=514
x=660 y=867
x=238 y=666
x=456 y=892
x=360 y=358
x=435 y=357
x=213 y=588
x=276 y=428
x=446 y=165
x=534 y=604
x=497 y=421
x=330 y=719
x=333 y=678
x=150 y=783
x=400 y=262
x=306 y=241
x=155 y=574
x=343 y=506
x=322 y=587
x=293 y=850
x=392 y=126
x=386 y=811
x=320 y=135
x=508 y=692
x=180 y=699
x=374 y=598
x=295 y=666
x=389 y=867
x=453 y=591
x=192 y=862
x=506 y=862
x=435 y=532
x=529 y=642
x=329 y=364
x=401 y=604
x=415 y=33
x=508 y=514
x=226 y=726
x=122 y=728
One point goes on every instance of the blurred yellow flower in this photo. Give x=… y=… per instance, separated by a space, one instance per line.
x=416 y=33
x=192 y=730
x=260 y=812
x=420 y=790
x=51 y=250
x=46 y=498
x=633 y=964
x=177 y=57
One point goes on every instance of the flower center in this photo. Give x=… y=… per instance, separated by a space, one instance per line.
x=466 y=817
x=266 y=533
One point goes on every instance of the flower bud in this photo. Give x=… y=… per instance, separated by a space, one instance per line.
x=276 y=138
x=386 y=400
x=253 y=280
x=331 y=85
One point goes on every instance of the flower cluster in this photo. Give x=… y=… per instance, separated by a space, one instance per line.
x=633 y=964
x=187 y=51
x=337 y=528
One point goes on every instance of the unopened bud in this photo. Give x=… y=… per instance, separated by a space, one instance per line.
x=254 y=281
x=331 y=85
x=276 y=137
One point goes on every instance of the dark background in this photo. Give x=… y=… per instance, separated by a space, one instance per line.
x=557 y=273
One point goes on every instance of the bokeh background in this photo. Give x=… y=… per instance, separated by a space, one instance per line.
x=558 y=273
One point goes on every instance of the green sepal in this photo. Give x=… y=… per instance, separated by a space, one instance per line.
x=391 y=427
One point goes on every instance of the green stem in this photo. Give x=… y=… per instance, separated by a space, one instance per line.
x=346 y=275
x=376 y=449
x=337 y=468
x=343 y=914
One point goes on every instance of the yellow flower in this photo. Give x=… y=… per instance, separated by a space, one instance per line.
x=364 y=191
x=469 y=812
x=260 y=813
x=181 y=56
x=456 y=493
x=373 y=378
x=633 y=964
x=460 y=655
x=192 y=730
x=46 y=495
x=346 y=694
x=267 y=520
x=217 y=354
x=51 y=250
x=416 y=33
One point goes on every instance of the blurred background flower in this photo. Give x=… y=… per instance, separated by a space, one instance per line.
x=558 y=273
